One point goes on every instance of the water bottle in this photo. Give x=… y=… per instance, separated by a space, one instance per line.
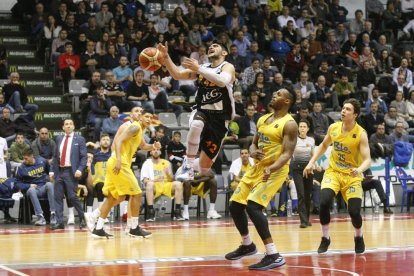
x=112 y=216
x=335 y=207
x=376 y=208
x=162 y=210
x=157 y=209
x=192 y=206
x=289 y=208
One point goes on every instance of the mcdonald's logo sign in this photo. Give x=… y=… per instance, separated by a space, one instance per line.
x=12 y=68
x=39 y=116
x=50 y=134
x=22 y=83
x=30 y=99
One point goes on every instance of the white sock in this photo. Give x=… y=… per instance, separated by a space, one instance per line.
x=134 y=222
x=100 y=223
x=325 y=230
x=124 y=206
x=100 y=204
x=186 y=208
x=71 y=212
x=89 y=209
x=190 y=161
x=270 y=248
x=246 y=240
x=358 y=232
x=96 y=213
x=212 y=205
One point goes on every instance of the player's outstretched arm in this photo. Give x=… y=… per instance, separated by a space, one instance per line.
x=365 y=154
x=175 y=72
x=318 y=153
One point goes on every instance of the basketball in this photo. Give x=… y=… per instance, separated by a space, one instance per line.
x=151 y=59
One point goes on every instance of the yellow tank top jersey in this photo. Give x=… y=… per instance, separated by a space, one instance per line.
x=130 y=146
x=244 y=169
x=345 y=148
x=159 y=170
x=100 y=172
x=271 y=137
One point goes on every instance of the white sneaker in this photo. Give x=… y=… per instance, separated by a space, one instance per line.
x=212 y=214
x=185 y=172
x=186 y=215
x=90 y=221
x=71 y=219
x=106 y=221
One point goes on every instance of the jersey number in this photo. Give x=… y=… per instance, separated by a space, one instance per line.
x=211 y=146
x=341 y=157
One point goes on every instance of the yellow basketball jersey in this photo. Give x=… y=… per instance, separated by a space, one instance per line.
x=159 y=170
x=244 y=169
x=100 y=172
x=130 y=146
x=271 y=137
x=345 y=148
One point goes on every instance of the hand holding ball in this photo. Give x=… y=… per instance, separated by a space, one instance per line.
x=151 y=59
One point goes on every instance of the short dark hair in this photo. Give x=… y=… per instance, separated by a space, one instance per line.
x=28 y=152
x=176 y=133
x=355 y=103
x=223 y=46
x=104 y=134
x=304 y=121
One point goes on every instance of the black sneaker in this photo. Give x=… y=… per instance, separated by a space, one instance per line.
x=309 y=223
x=139 y=233
x=101 y=234
x=243 y=250
x=268 y=262
x=303 y=225
x=323 y=247
x=178 y=216
x=273 y=213
x=359 y=245
x=151 y=215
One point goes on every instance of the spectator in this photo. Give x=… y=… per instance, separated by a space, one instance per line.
x=304 y=17
x=238 y=102
x=401 y=107
x=234 y=21
x=306 y=87
x=121 y=45
x=331 y=49
x=99 y=110
x=111 y=124
x=320 y=123
x=138 y=93
x=122 y=73
x=375 y=9
x=399 y=133
x=327 y=73
x=161 y=21
x=284 y=18
x=176 y=151
x=16 y=150
x=120 y=16
x=380 y=137
x=289 y=34
x=4 y=163
x=254 y=100
x=51 y=29
x=242 y=43
x=102 y=45
x=366 y=80
x=279 y=50
x=338 y=12
x=82 y=15
x=400 y=85
x=403 y=70
x=207 y=36
x=325 y=95
x=239 y=167
x=92 y=31
x=304 y=115
x=384 y=64
x=249 y=75
x=179 y=20
x=341 y=34
x=200 y=55
x=61 y=13
x=247 y=126
x=7 y=127
x=367 y=56
x=344 y=89
x=159 y=96
x=294 y=63
x=356 y=25
x=349 y=50
x=71 y=27
x=69 y=64
x=103 y=16
x=237 y=60
x=3 y=104
x=43 y=146
x=391 y=119
x=58 y=45
x=160 y=136
x=68 y=165
x=181 y=46
x=111 y=59
x=15 y=95
x=6 y=192
x=194 y=37
x=259 y=85
x=32 y=179
x=156 y=174
x=369 y=183
x=373 y=119
x=410 y=105
x=80 y=43
x=89 y=61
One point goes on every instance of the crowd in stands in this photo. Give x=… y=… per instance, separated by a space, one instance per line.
x=315 y=48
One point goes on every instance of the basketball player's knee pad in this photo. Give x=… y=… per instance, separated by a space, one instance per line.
x=354 y=210
x=193 y=138
x=236 y=208
x=255 y=212
x=325 y=203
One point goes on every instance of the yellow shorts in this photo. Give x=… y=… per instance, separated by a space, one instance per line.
x=252 y=187
x=163 y=188
x=349 y=186
x=199 y=190
x=124 y=183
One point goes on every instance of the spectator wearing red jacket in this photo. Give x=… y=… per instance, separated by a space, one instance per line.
x=69 y=63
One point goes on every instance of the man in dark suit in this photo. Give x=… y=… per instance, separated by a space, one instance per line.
x=68 y=164
x=373 y=119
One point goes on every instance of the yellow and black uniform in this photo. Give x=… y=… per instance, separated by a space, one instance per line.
x=163 y=185
x=243 y=170
x=251 y=186
x=344 y=156
x=124 y=183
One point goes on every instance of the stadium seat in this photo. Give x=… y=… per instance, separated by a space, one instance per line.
x=75 y=90
x=405 y=180
x=184 y=119
x=168 y=119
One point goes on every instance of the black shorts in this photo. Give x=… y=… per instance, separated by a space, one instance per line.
x=213 y=132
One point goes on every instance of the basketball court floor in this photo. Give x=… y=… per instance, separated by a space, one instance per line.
x=197 y=247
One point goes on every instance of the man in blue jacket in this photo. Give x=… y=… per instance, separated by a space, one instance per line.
x=6 y=192
x=32 y=178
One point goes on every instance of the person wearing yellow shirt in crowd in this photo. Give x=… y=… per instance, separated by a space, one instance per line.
x=239 y=167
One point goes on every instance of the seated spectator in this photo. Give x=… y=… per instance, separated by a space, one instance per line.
x=156 y=174
x=299 y=103
x=294 y=63
x=306 y=87
x=237 y=60
x=279 y=83
x=289 y=34
x=103 y=16
x=401 y=106
x=385 y=141
x=366 y=80
x=110 y=60
x=327 y=73
x=249 y=75
x=160 y=136
x=194 y=37
x=32 y=178
x=369 y=183
x=279 y=50
x=138 y=93
x=16 y=96
x=263 y=88
x=247 y=126
x=372 y=119
x=207 y=36
x=3 y=104
x=92 y=31
x=382 y=106
x=392 y=117
x=58 y=45
x=159 y=96
x=176 y=151
x=71 y=27
x=410 y=105
x=344 y=89
x=325 y=95
x=320 y=123
x=234 y=21
x=338 y=12
x=331 y=49
x=253 y=52
x=43 y=146
x=7 y=127
x=88 y=90
x=202 y=185
x=69 y=64
x=200 y=55
x=114 y=92
x=181 y=46
x=304 y=115
x=17 y=150
x=102 y=45
x=122 y=73
x=7 y=188
x=399 y=133
x=111 y=124
x=239 y=167
x=349 y=51
x=254 y=100
x=238 y=102
x=403 y=70
x=367 y=56
x=99 y=110
x=121 y=45
x=89 y=61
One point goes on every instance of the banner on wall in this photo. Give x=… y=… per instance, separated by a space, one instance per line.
x=378 y=171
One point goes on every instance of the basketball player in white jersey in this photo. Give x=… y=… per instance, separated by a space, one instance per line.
x=214 y=105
